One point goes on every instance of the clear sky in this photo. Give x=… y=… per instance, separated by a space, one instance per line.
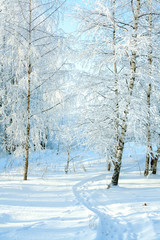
x=68 y=23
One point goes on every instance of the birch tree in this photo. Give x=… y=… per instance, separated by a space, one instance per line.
x=128 y=44
x=120 y=147
x=145 y=95
x=149 y=147
x=99 y=21
x=37 y=45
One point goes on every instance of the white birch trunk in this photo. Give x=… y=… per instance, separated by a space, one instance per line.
x=68 y=160
x=116 y=79
x=120 y=146
x=28 y=96
x=149 y=146
x=154 y=168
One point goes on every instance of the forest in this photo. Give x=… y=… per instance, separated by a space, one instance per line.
x=78 y=78
x=97 y=88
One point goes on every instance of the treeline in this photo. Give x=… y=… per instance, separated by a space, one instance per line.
x=120 y=43
x=97 y=87
x=32 y=74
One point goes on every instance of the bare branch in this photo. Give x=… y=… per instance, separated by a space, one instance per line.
x=48 y=78
x=55 y=10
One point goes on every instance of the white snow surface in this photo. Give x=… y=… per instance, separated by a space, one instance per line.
x=53 y=205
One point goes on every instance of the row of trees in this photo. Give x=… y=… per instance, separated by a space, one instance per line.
x=32 y=74
x=120 y=43
x=115 y=99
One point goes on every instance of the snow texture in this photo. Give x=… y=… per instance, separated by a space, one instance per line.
x=78 y=205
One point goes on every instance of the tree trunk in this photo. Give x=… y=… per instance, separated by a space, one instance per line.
x=28 y=97
x=27 y=153
x=58 y=148
x=68 y=161
x=120 y=147
x=116 y=79
x=149 y=147
x=146 y=171
x=118 y=162
x=109 y=166
x=155 y=161
x=154 y=168
x=6 y=139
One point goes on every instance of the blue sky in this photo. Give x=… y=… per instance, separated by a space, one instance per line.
x=68 y=23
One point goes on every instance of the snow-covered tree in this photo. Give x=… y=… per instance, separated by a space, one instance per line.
x=117 y=53
x=37 y=65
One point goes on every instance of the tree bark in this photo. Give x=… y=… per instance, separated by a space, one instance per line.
x=116 y=79
x=28 y=97
x=120 y=146
x=155 y=161
x=117 y=163
x=154 y=167
x=109 y=166
x=68 y=161
x=6 y=139
x=146 y=171
x=149 y=146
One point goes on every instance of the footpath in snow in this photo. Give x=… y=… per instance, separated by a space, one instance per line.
x=78 y=206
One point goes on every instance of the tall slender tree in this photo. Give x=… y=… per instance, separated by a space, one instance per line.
x=37 y=63
x=120 y=147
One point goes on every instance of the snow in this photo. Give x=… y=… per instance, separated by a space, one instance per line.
x=78 y=205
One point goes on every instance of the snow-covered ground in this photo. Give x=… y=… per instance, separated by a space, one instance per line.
x=53 y=205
